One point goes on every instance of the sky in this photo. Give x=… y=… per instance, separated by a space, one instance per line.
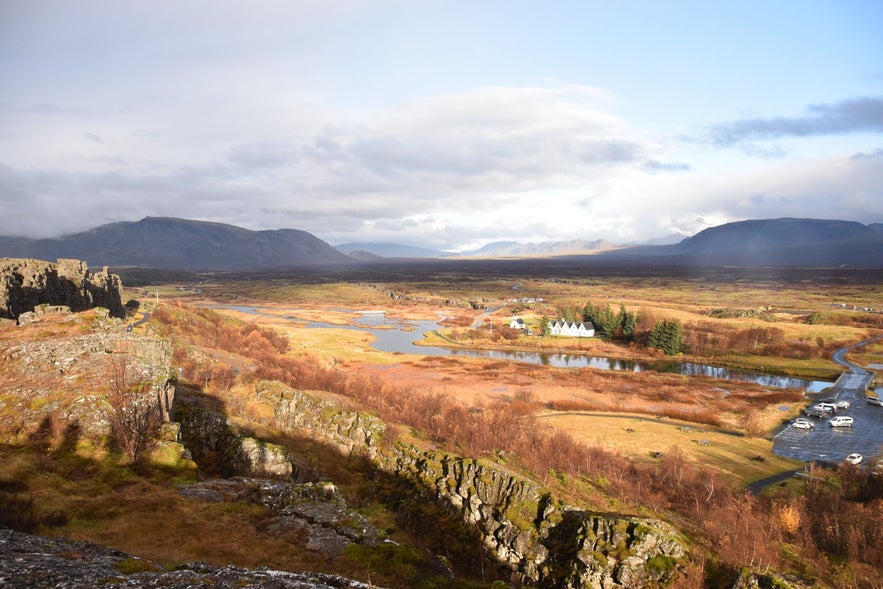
x=442 y=124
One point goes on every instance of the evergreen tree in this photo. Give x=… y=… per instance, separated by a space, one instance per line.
x=667 y=336
x=627 y=322
x=572 y=314
x=545 y=329
x=602 y=318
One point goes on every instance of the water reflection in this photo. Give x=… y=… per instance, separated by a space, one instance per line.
x=399 y=336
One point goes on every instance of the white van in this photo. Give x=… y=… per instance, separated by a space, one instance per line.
x=841 y=421
x=826 y=407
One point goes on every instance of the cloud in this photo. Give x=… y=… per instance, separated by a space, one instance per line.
x=867 y=155
x=654 y=166
x=492 y=152
x=525 y=163
x=855 y=115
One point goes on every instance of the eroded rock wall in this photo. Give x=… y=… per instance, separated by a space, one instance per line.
x=543 y=541
x=27 y=283
x=220 y=447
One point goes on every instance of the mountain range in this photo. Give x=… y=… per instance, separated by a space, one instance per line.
x=181 y=244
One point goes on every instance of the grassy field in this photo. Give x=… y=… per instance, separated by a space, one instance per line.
x=746 y=459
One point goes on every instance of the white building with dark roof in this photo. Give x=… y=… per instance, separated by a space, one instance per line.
x=563 y=328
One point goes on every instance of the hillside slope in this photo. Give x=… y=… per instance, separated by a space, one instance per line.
x=180 y=244
x=786 y=242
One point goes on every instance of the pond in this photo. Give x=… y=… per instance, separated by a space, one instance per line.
x=398 y=336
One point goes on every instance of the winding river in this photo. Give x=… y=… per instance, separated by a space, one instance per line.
x=397 y=336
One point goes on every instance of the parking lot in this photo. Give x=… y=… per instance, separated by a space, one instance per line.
x=831 y=444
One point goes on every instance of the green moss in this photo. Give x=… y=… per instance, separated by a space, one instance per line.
x=130 y=566
x=600 y=557
x=661 y=563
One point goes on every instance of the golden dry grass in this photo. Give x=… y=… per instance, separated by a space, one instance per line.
x=641 y=436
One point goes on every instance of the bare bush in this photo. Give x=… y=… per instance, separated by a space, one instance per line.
x=133 y=415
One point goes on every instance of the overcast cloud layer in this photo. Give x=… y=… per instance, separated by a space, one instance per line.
x=446 y=125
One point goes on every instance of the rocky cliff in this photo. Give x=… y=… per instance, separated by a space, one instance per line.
x=542 y=540
x=26 y=283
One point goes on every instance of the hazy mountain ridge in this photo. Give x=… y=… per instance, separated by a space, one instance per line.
x=389 y=250
x=764 y=234
x=546 y=248
x=169 y=243
x=180 y=244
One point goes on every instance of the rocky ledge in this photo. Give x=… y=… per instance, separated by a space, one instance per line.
x=25 y=284
x=314 y=515
x=37 y=562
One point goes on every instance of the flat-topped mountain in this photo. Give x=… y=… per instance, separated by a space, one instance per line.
x=180 y=244
x=786 y=242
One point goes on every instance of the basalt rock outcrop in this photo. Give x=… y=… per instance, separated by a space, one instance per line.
x=219 y=446
x=314 y=515
x=543 y=541
x=26 y=284
x=59 y=370
x=38 y=562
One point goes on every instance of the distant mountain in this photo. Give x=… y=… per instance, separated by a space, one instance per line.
x=667 y=240
x=180 y=244
x=773 y=242
x=389 y=250
x=548 y=248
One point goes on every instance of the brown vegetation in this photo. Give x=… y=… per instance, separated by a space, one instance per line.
x=707 y=338
x=841 y=519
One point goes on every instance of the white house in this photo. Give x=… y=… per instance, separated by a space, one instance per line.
x=561 y=327
x=517 y=323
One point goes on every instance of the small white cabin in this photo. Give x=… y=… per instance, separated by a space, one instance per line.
x=517 y=323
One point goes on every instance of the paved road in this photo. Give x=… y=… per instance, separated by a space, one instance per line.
x=832 y=444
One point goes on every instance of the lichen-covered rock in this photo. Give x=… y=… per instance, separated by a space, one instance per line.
x=315 y=514
x=62 y=372
x=542 y=541
x=349 y=431
x=751 y=579
x=218 y=445
x=26 y=284
x=38 y=562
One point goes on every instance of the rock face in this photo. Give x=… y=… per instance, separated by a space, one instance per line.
x=218 y=445
x=543 y=541
x=315 y=514
x=25 y=284
x=35 y=562
x=60 y=369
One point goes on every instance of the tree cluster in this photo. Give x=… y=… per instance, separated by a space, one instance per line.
x=667 y=336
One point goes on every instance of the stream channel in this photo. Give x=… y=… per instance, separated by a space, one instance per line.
x=398 y=336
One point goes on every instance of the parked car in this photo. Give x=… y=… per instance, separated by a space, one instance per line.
x=815 y=413
x=854 y=458
x=826 y=407
x=803 y=423
x=841 y=421
x=838 y=403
